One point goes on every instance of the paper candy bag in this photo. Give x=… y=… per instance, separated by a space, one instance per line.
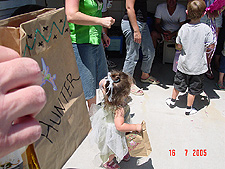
x=138 y=143
x=23 y=158
x=44 y=35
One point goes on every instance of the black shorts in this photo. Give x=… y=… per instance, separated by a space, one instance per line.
x=194 y=83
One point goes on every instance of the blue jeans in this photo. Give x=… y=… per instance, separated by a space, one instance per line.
x=222 y=64
x=92 y=66
x=132 y=48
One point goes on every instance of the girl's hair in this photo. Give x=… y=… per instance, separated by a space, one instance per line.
x=121 y=85
x=196 y=9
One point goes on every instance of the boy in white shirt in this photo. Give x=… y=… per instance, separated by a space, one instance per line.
x=193 y=39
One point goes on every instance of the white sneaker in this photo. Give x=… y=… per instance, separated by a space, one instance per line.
x=191 y=111
x=170 y=103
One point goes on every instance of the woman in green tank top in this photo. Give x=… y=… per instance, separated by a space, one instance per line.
x=86 y=22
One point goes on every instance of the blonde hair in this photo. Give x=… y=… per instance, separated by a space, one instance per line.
x=121 y=87
x=196 y=9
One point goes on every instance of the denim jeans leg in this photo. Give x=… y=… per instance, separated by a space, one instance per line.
x=102 y=68
x=84 y=70
x=94 y=59
x=132 y=48
x=148 y=49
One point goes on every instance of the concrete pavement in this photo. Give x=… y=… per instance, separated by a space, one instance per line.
x=178 y=141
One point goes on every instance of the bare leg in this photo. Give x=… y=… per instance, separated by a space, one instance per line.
x=221 y=75
x=144 y=75
x=175 y=93
x=171 y=102
x=217 y=61
x=190 y=99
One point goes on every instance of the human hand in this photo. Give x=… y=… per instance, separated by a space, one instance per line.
x=167 y=35
x=137 y=37
x=178 y=46
x=21 y=99
x=139 y=128
x=107 y=22
x=106 y=40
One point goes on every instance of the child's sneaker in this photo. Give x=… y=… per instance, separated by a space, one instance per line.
x=191 y=111
x=126 y=158
x=111 y=165
x=170 y=103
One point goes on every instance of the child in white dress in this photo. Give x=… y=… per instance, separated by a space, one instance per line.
x=110 y=121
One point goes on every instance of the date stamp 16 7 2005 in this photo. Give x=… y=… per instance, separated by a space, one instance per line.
x=194 y=152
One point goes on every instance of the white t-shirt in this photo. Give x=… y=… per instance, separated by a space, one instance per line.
x=170 y=22
x=194 y=39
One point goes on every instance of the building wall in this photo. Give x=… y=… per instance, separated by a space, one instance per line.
x=51 y=3
x=152 y=4
x=7 y=7
x=117 y=11
x=118 y=8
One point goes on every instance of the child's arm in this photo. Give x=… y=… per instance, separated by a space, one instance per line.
x=178 y=46
x=124 y=127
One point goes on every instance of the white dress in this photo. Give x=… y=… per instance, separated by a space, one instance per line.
x=104 y=133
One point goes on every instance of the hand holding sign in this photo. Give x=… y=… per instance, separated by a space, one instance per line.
x=21 y=99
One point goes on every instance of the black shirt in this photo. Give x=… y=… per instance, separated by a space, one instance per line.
x=140 y=8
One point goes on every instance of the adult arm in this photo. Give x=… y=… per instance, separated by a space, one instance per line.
x=133 y=20
x=158 y=26
x=105 y=38
x=75 y=16
x=158 y=19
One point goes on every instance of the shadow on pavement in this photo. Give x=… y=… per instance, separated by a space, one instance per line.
x=165 y=74
x=137 y=163
x=199 y=103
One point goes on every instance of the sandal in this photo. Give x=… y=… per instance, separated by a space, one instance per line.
x=126 y=158
x=220 y=86
x=136 y=91
x=111 y=165
x=151 y=80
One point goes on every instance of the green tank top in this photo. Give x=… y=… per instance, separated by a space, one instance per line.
x=91 y=33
